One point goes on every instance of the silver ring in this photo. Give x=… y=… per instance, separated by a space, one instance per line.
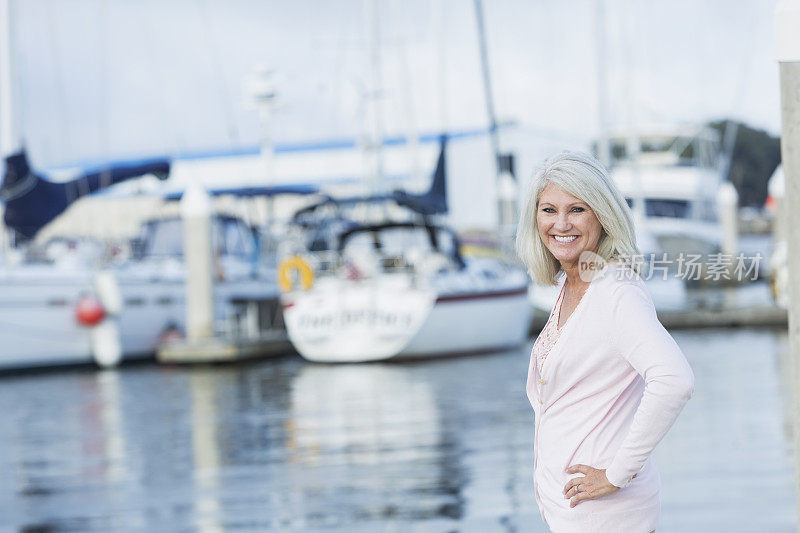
x=577 y=489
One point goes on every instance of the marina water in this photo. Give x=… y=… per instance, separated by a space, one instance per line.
x=444 y=445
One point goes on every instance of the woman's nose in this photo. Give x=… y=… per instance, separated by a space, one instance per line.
x=562 y=223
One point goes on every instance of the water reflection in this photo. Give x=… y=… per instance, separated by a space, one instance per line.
x=431 y=446
x=205 y=451
x=378 y=433
x=111 y=433
x=63 y=447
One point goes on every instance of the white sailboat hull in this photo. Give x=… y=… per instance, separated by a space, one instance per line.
x=37 y=320
x=324 y=324
x=38 y=326
x=355 y=321
x=471 y=323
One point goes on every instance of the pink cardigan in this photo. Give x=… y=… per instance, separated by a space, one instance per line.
x=610 y=388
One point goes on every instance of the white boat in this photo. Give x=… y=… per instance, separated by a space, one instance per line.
x=43 y=303
x=671 y=178
x=375 y=304
x=392 y=284
x=43 y=307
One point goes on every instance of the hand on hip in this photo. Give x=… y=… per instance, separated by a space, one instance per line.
x=593 y=484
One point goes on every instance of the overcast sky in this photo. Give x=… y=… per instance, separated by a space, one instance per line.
x=100 y=79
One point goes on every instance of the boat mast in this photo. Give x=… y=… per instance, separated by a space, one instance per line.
x=506 y=183
x=633 y=144
x=603 y=145
x=374 y=139
x=441 y=50
x=8 y=143
x=404 y=74
x=262 y=90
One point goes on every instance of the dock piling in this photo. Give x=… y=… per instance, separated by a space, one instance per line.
x=787 y=51
x=196 y=210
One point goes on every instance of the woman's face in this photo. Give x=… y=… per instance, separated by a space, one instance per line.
x=567 y=225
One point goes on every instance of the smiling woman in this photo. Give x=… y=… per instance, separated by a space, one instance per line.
x=606 y=380
x=567 y=226
x=572 y=197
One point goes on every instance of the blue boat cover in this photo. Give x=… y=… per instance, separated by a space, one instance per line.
x=32 y=201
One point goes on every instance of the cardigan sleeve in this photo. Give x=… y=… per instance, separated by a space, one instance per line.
x=639 y=337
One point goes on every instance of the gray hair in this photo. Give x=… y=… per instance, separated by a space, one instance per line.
x=582 y=176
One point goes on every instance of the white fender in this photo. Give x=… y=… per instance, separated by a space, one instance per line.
x=106 y=345
x=107 y=288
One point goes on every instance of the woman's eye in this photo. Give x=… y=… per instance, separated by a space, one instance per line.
x=575 y=209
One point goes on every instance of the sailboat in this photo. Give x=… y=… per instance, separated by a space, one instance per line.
x=392 y=289
x=68 y=312
x=73 y=309
x=51 y=312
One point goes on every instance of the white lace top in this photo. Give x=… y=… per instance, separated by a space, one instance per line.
x=549 y=335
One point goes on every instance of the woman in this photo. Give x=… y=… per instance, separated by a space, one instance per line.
x=606 y=380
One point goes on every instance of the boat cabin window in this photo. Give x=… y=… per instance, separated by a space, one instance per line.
x=667 y=208
x=164 y=238
x=664 y=208
x=233 y=238
x=700 y=149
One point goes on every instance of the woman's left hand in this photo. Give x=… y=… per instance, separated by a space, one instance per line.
x=593 y=484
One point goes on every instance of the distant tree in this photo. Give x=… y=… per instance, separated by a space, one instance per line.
x=756 y=155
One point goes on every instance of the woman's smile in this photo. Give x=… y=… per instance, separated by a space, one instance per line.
x=565 y=239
